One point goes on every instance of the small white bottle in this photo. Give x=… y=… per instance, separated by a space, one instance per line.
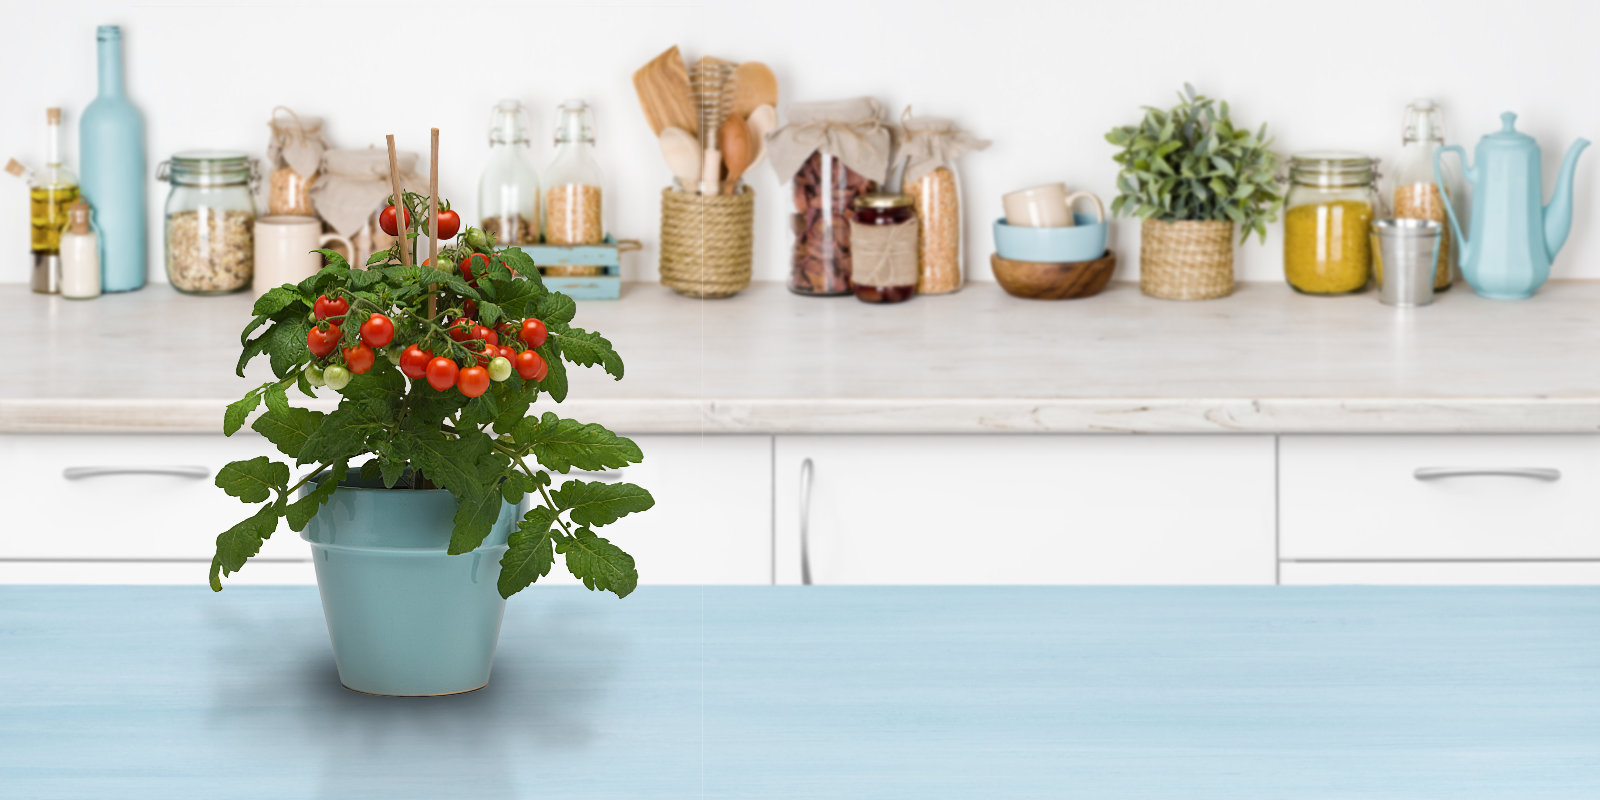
x=80 y=255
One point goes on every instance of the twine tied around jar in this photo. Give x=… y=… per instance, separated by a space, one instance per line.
x=851 y=130
x=884 y=255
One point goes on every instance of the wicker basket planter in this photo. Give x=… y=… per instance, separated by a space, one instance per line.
x=707 y=242
x=1186 y=260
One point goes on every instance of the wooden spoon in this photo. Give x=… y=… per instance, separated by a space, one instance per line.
x=762 y=121
x=754 y=85
x=681 y=150
x=663 y=87
x=737 y=152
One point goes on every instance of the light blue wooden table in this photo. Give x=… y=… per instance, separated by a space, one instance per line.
x=1104 y=693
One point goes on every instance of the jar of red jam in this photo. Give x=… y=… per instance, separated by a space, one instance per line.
x=883 y=243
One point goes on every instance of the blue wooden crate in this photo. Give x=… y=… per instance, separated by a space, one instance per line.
x=607 y=255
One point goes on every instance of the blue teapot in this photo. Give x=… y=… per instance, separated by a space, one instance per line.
x=1514 y=237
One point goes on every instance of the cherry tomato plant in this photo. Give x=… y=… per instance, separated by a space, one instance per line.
x=451 y=405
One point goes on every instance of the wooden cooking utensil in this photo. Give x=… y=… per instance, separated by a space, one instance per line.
x=663 y=87
x=682 y=153
x=734 y=139
x=762 y=121
x=756 y=86
x=711 y=87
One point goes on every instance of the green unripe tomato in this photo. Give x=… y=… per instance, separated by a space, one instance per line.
x=337 y=377
x=393 y=354
x=499 y=368
x=447 y=264
x=315 y=375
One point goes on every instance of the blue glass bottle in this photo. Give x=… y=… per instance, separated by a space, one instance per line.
x=111 y=153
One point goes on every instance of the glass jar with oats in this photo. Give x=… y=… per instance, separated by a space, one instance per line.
x=931 y=147
x=1327 y=220
x=574 y=210
x=1415 y=190
x=210 y=213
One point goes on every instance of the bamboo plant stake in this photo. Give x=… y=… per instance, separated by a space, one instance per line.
x=433 y=216
x=399 y=205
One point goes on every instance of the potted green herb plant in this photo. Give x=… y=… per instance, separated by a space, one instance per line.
x=1190 y=175
x=412 y=486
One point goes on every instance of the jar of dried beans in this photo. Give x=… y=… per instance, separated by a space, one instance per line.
x=931 y=147
x=1326 y=225
x=883 y=236
x=835 y=153
x=209 y=217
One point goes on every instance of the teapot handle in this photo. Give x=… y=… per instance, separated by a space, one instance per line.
x=1444 y=192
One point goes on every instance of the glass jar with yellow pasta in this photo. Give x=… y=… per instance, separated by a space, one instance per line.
x=1328 y=214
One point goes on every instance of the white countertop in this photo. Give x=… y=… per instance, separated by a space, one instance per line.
x=979 y=361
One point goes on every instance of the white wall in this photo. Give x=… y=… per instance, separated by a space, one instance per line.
x=1044 y=80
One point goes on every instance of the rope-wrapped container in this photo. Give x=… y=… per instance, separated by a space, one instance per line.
x=1186 y=260
x=707 y=242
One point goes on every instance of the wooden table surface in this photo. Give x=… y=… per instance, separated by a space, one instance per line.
x=815 y=692
x=1264 y=360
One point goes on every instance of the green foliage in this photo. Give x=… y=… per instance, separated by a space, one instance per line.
x=1190 y=163
x=485 y=451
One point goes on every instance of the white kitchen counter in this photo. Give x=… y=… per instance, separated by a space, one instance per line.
x=1264 y=360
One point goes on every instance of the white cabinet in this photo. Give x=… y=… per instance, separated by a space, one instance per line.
x=1434 y=573
x=1439 y=497
x=712 y=521
x=1034 y=509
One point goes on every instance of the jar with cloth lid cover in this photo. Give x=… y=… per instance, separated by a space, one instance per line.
x=883 y=236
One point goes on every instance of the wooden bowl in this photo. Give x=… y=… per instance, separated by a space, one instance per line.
x=1047 y=280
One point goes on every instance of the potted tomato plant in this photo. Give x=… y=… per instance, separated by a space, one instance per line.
x=413 y=487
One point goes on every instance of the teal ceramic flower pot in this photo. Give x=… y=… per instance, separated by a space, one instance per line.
x=405 y=617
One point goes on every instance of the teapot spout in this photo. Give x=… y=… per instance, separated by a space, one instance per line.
x=1558 y=215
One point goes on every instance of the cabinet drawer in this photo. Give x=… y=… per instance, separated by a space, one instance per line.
x=1439 y=497
x=1426 y=573
x=116 y=496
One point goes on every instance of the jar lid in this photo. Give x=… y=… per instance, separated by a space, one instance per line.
x=1332 y=168
x=884 y=200
x=210 y=167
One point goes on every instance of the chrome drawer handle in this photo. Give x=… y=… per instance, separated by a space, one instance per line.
x=1550 y=474
x=806 y=470
x=176 y=471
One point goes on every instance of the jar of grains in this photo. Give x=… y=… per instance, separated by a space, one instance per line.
x=834 y=153
x=210 y=213
x=883 y=238
x=1326 y=227
x=294 y=156
x=574 y=202
x=931 y=147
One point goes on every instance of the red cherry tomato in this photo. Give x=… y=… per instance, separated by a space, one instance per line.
x=326 y=308
x=322 y=341
x=473 y=381
x=476 y=265
x=480 y=332
x=414 y=361
x=461 y=330
x=442 y=373
x=506 y=330
x=377 y=331
x=470 y=307
x=359 y=358
x=533 y=332
x=530 y=366
x=386 y=221
x=449 y=224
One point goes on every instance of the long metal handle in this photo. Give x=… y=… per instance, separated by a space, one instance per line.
x=1533 y=473
x=806 y=470
x=174 y=470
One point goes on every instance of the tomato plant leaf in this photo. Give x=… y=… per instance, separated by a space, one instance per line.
x=588 y=349
x=555 y=383
x=561 y=444
x=238 y=411
x=531 y=552
x=475 y=516
x=276 y=299
x=555 y=309
x=289 y=429
x=593 y=504
x=601 y=565
x=237 y=544
x=301 y=511
x=340 y=436
x=253 y=480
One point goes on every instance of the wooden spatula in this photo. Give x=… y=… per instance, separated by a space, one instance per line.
x=663 y=87
x=755 y=86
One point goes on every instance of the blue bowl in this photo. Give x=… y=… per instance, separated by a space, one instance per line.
x=1084 y=241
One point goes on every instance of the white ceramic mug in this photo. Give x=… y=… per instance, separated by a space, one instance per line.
x=1046 y=206
x=285 y=248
